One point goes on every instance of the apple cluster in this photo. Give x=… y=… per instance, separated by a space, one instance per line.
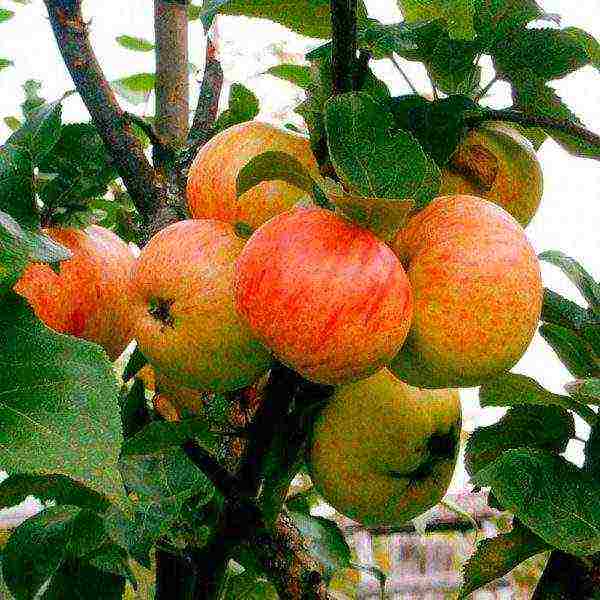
x=451 y=301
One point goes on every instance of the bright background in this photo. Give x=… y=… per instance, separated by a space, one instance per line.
x=569 y=216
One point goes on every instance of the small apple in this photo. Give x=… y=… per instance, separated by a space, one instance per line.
x=87 y=298
x=211 y=187
x=383 y=452
x=477 y=293
x=182 y=308
x=497 y=163
x=329 y=298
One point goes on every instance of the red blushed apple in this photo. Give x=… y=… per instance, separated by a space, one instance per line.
x=477 y=293
x=87 y=298
x=183 y=312
x=211 y=187
x=328 y=297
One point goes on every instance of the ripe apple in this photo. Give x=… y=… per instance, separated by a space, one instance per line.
x=329 y=298
x=87 y=298
x=497 y=163
x=383 y=452
x=211 y=187
x=183 y=311
x=185 y=401
x=477 y=293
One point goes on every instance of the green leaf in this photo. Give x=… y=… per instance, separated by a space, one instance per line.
x=452 y=66
x=137 y=361
x=545 y=427
x=270 y=166
x=325 y=541
x=549 y=495
x=534 y=97
x=249 y=586
x=498 y=556
x=457 y=14
x=135 y=43
x=12 y=122
x=307 y=17
x=134 y=410
x=585 y=283
x=383 y=40
x=135 y=88
x=574 y=352
x=162 y=435
x=586 y=390
x=33 y=100
x=5 y=63
x=495 y=19
x=40 y=132
x=58 y=489
x=16 y=186
x=564 y=312
x=6 y=14
x=82 y=166
x=40 y=546
x=59 y=410
x=511 y=389
x=194 y=12
x=548 y=53
x=18 y=248
x=371 y=159
x=304 y=502
x=588 y=42
x=111 y=558
x=243 y=106
x=297 y=74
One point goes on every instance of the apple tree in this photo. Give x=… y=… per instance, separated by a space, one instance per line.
x=306 y=301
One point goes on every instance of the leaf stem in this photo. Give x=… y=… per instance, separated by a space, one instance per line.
x=404 y=75
x=484 y=91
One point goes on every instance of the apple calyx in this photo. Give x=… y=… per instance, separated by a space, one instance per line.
x=160 y=309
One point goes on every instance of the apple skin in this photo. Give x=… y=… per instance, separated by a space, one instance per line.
x=87 y=298
x=329 y=298
x=211 y=186
x=477 y=293
x=497 y=163
x=185 y=401
x=183 y=311
x=383 y=452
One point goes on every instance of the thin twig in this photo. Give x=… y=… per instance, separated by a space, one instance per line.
x=343 y=22
x=484 y=91
x=404 y=75
x=125 y=149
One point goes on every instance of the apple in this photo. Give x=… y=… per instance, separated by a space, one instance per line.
x=87 y=298
x=184 y=401
x=211 y=186
x=382 y=452
x=477 y=293
x=497 y=163
x=182 y=308
x=328 y=297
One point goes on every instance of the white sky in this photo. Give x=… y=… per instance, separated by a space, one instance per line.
x=569 y=215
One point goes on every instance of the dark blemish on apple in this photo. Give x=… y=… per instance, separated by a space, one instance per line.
x=160 y=309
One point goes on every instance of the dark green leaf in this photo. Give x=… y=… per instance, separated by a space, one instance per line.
x=511 y=389
x=50 y=488
x=111 y=558
x=16 y=186
x=535 y=135
x=308 y=17
x=561 y=311
x=574 y=352
x=297 y=74
x=19 y=247
x=549 y=495
x=588 y=42
x=135 y=88
x=59 y=410
x=243 y=106
x=77 y=580
x=249 y=586
x=33 y=100
x=534 y=97
x=161 y=435
x=545 y=427
x=137 y=361
x=382 y=40
x=6 y=14
x=134 y=410
x=135 y=43
x=325 y=541
x=586 y=390
x=371 y=159
x=303 y=502
x=40 y=132
x=496 y=557
x=12 y=122
x=548 y=53
x=5 y=63
x=585 y=283
x=270 y=166
x=457 y=14
x=82 y=166
x=39 y=546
